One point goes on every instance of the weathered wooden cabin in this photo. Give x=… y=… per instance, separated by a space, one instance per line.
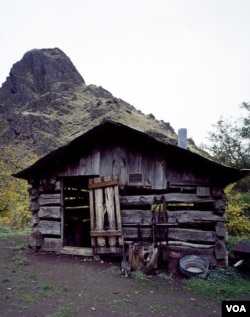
x=116 y=186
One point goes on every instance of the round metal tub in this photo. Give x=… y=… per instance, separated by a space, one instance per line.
x=194 y=266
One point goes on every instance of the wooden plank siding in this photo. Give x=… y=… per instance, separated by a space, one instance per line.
x=123 y=161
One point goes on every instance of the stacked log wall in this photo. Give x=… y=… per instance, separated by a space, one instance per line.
x=45 y=206
x=181 y=224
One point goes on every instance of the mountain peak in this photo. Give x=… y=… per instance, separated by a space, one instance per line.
x=38 y=72
x=45 y=103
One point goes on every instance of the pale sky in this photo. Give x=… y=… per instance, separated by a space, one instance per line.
x=185 y=61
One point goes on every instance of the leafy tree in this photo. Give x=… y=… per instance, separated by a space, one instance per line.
x=14 y=200
x=230 y=144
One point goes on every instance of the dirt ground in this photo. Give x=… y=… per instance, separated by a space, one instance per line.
x=38 y=284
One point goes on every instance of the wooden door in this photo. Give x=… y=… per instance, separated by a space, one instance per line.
x=105 y=216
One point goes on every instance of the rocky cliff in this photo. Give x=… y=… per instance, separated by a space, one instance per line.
x=45 y=103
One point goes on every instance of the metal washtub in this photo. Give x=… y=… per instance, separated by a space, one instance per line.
x=194 y=266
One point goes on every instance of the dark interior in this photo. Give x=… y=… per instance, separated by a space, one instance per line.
x=76 y=211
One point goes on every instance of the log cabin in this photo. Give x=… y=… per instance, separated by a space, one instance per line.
x=115 y=188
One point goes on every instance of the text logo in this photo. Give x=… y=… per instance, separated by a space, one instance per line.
x=231 y=308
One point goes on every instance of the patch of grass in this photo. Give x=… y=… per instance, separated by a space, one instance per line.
x=32 y=276
x=29 y=298
x=133 y=314
x=96 y=298
x=19 y=246
x=18 y=260
x=47 y=290
x=21 y=306
x=66 y=311
x=178 y=302
x=22 y=287
x=6 y=296
x=5 y=280
x=119 y=303
x=8 y=232
x=167 y=277
x=222 y=284
x=157 y=307
x=140 y=276
x=66 y=289
x=4 y=232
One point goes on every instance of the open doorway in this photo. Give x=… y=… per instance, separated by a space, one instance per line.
x=76 y=213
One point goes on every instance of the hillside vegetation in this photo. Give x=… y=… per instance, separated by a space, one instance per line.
x=45 y=103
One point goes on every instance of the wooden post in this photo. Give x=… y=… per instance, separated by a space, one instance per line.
x=62 y=212
x=109 y=199
x=92 y=216
x=100 y=211
x=118 y=214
